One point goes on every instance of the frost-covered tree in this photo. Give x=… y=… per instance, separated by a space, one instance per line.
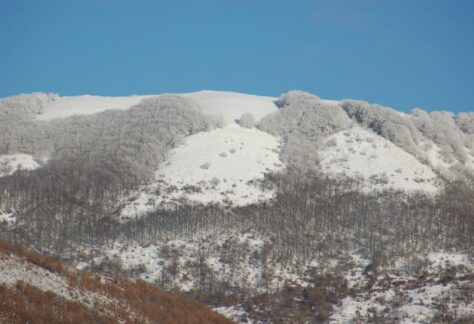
x=303 y=111
x=465 y=121
x=440 y=127
x=303 y=121
x=247 y=120
x=385 y=122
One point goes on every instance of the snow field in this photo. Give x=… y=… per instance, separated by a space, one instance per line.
x=64 y=107
x=359 y=153
x=221 y=166
x=231 y=105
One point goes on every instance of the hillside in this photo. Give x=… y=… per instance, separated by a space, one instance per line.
x=293 y=209
x=36 y=289
x=437 y=145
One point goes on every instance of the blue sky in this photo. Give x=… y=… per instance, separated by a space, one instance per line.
x=400 y=53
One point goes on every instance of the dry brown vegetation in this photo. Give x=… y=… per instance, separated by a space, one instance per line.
x=125 y=301
x=27 y=304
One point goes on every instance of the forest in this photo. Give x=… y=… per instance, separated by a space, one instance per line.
x=311 y=218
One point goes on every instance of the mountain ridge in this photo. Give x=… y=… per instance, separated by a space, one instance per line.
x=441 y=140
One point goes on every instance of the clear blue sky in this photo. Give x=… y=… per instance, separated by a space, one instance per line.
x=400 y=53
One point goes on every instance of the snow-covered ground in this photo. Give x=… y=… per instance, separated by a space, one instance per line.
x=13 y=269
x=410 y=299
x=359 y=153
x=221 y=166
x=86 y=105
x=231 y=105
x=10 y=163
x=443 y=259
x=223 y=162
x=234 y=313
x=7 y=218
x=184 y=256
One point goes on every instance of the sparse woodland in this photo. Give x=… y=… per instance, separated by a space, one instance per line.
x=311 y=219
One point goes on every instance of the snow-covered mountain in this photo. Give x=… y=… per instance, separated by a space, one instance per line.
x=379 y=146
x=262 y=207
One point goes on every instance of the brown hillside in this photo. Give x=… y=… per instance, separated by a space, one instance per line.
x=37 y=289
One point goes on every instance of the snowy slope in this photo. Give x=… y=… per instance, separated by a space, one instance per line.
x=217 y=166
x=14 y=268
x=220 y=166
x=155 y=258
x=86 y=105
x=229 y=105
x=359 y=153
x=10 y=163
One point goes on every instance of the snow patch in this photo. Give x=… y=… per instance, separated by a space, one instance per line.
x=235 y=313
x=13 y=162
x=442 y=260
x=7 y=218
x=359 y=153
